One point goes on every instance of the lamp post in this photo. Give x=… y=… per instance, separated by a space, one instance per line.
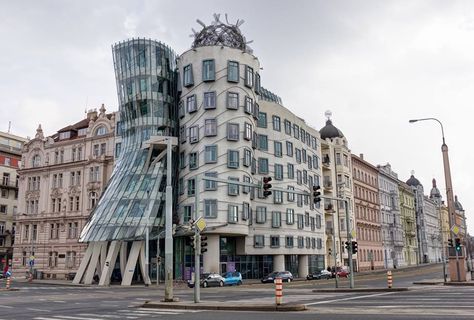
x=449 y=186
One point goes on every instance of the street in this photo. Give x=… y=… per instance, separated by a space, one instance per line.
x=61 y=302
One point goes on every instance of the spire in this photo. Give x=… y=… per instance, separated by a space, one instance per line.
x=39 y=133
x=435 y=194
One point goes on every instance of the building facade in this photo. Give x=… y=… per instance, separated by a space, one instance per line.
x=233 y=129
x=408 y=220
x=61 y=180
x=337 y=182
x=10 y=156
x=431 y=210
x=392 y=227
x=367 y=210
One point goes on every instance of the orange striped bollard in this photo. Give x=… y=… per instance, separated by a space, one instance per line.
x=389 y=279
x=8 y=283
x=278 y=291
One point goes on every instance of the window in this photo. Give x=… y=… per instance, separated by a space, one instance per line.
x=275 y=241
x=232 y=189
x=278 y=172
x=300 y=242
x=233 y=131
x=210 y=208
x=245 y=211
x=232 y=71
x=248 y=131
x=193 y=160
x=249 y=76
x=256 y=110
x=262 y=142
x=306 y=219
x=210 y=100
x=100 y=131
x=118 y=149
x=278 y=149
x=276 y=123
x=289 y=241
x=64 y=135
x=338 y=158
x=262 y=120
x=263 y=165
x=300 y=221
x=308 y=242
x=277 y=196
x=181 y=111
x=93 y=197
x=287 y=127
x=233 y=213
x=247 y=157
x=291 y=195
x=208 y=184
x=298 y=155
x=248 y=105
x=35 y=161
x=94 y=174
x=193 y=134
x=298 y=177
x=208 y=70
x=210 y=154
x=289 y=149
x=191 y=187
x=53 y=259
x=276 y=219
x=210 y=127
x=233 y=159
x=261 y=215
x=191 y=103
x=188 y=75
x=182 y=160
x=3 y=208
x=232 y=100
x=70 y=259
x=291 y=171
x=290 y=216
x=258 y=241
x=296 y=131
x=313 y=223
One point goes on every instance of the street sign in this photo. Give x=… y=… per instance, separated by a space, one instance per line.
x=353 y=234
x=455 y=230
x=32 y=263
x=200 y=224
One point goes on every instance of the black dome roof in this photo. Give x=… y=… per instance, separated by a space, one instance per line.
x=457 y=204
x=330 y=131
x=413 y=182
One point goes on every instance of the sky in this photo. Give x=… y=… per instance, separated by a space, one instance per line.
x=374 y=64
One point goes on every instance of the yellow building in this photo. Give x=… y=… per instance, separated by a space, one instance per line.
x=408 y=220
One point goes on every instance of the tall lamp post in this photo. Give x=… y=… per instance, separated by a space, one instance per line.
x=449 y=187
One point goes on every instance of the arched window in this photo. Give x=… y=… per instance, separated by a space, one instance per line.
x=35 y=161
x=100 y=131
x=93 y=197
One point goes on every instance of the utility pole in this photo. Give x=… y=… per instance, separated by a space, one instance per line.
x=349 y=239
x=197 y=246
x=169 y=226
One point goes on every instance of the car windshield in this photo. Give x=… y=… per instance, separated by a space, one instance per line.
x=273 y=274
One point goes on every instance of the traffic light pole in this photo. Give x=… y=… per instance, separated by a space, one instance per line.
x=349 y=239
x=197 y=246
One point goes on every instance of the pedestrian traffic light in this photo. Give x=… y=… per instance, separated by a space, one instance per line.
x=458 y=244
x=347 y=245
x=203 y=244
x=316 y=194
x=354 y=247
x=330 y=251
x=267 y=186
x=450 y=243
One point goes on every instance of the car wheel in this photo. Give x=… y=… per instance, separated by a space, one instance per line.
x=221 y=283
x=204 y=284
x=239 y=283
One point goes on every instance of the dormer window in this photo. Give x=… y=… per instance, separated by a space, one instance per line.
x=101 y=131
x=82 y=132
x=64 y=135
x=35 y=161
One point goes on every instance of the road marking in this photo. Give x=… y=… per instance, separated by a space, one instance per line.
x=59 y=301
x=149 y=312
x=8 y=307
x=350 y=298
x=40 y=310
x=75 y=318
x=110 y=316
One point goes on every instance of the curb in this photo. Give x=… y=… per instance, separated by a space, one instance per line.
x=11 y=289
x=428 y=283
x=362 y=290
x=467 y=284
x=207 y=306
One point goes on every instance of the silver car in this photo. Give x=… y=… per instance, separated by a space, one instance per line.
x=209 y=280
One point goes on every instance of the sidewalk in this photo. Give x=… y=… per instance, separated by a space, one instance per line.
x=214 y=305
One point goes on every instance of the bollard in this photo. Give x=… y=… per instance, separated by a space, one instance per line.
x=278 y=290
x=8 y=283
x=389 y=279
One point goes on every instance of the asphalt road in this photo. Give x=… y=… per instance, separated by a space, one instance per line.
x=46 y=302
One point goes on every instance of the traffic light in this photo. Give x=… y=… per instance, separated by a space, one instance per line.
x=450 y=243
x=316 y=194
x=203 y=244
x=347 y=245
x=458 y=244
x=330 y=251
x=193 y=242
x=354 y=247
x=267 y=186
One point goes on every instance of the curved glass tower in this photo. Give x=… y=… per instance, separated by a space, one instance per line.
x=147 y=93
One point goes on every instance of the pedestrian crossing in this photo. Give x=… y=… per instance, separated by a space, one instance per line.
x=131 y=313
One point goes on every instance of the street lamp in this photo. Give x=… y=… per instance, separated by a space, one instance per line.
x=449 y=186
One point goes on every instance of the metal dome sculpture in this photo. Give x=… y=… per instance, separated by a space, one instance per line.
x=221 y=34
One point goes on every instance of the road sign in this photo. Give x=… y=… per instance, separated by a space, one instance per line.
x=455 y=230
x=32 y=263
x=353 y=234
x=200 y=224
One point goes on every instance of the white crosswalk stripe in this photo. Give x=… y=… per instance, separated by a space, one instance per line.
x=131 y=313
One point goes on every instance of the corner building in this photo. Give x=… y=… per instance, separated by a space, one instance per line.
x=233 y=129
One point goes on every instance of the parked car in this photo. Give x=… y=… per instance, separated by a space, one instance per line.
x=286 y=276
x=231 y=278
x=322 y=274
x=209 y=280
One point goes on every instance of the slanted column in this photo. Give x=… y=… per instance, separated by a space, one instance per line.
x=211 y=258
x=302 y=265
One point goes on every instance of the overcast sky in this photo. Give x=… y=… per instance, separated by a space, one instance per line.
x=374 y=64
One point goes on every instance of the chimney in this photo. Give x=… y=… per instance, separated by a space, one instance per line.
x=361 y=156
x=92 y=114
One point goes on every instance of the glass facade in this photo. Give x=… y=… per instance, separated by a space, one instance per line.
x=146 y=78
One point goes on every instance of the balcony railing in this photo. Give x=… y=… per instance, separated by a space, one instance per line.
x=8 y=184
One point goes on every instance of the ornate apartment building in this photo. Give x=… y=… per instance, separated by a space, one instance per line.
x=10 y=155
x=61 y=180
x=368 y=218
x=408 y=221
x=337 y=182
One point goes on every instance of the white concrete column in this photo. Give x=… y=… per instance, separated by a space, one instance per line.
x=302 y=265
x=279 y=262
x=211 y=258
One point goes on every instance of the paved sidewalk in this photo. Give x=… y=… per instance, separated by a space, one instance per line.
x=214 y=305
